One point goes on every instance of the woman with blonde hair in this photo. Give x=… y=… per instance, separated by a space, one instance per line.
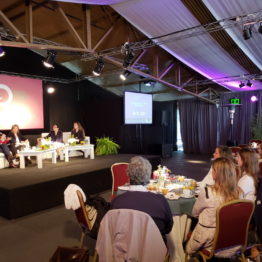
x=220 y=151
x=247 y=160
x=210 y=198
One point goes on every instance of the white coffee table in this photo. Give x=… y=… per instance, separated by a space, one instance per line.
x=87 y=149
x=38 y=154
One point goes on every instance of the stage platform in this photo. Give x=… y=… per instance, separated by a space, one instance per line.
x=25 y=191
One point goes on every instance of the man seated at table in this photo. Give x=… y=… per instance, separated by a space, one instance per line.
x=137 y=197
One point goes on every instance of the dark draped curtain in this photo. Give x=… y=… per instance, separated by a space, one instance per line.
x=204 y=125
x=198 y=122
x=243 y=117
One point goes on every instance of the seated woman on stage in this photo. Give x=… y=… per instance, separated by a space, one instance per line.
x=78 y=132
x=16 y=138
x=137 y=197
x=247 y=160
x=5 y=150
x=210 y=198
x=220 y=151
x=56 y=135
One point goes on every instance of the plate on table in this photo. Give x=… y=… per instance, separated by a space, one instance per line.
x=184 y=196
x=172 y=196
x=125 y=188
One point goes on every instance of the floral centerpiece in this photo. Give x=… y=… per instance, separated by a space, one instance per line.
x=72 y=141
x=46 y=143
x=161 y=174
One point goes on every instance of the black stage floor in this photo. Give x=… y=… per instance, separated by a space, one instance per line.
x=25 y=191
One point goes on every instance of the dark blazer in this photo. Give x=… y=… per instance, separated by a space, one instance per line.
x=12 y=135
x=154 y=205
x=56 y=137
x=78 y=135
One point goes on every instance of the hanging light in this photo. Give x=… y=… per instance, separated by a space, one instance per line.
x=253 y=99
x=127 y=50
x=124 y=75
x=2 y=52
x=260 y=28
x=241 y=84
x=247 y=32
x=99 y=67
x=249 y=83
x=50 y=60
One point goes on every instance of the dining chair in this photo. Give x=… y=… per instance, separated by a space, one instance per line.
x=119 y=176
x=232 y=223
x=85 y=224
x=235 y=149
x=130 y=235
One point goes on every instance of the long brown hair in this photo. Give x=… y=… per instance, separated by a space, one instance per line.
x=225 y=151
x=250 y=163
x=226 y=179
x=13 y=127
x=80 y=128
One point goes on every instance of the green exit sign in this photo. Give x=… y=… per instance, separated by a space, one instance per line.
x=234 y=101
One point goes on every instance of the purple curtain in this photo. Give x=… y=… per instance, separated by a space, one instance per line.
x=204 y=126
x=198 y=122
x=243 y=117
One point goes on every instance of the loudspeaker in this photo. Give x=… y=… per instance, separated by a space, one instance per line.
x=164 y=118
x=167 y=150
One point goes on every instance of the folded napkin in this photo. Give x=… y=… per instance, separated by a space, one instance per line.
x=71 y=198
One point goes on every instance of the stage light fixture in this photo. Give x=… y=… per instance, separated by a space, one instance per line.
x=241 y=84
x=124 y=75
x=260 y=28
x=127 y=50
x=2 y=52
x=50 y=60
x=249 y=83
x=253 y=99
x=50 y=90
x=99 y=67
x=247 y=32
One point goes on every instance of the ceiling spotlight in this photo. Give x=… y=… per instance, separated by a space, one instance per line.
x=2 y=52
x=124 y=75
x=50 y=60
x=247 y=32
x=260 y=28
x=50 y=90
x=99 y=66
x=241 y=84
x=127 y=50
x=249 y=84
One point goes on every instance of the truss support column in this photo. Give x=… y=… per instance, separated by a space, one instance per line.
x=29 y=20
x=87 y=26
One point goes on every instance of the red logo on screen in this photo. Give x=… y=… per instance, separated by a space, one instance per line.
x=6 y=95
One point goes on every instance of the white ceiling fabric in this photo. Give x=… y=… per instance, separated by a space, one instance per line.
x=223 y=8
x=202 y=53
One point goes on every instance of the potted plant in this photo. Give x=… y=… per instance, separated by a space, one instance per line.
x=106 y=146
x=256 y=128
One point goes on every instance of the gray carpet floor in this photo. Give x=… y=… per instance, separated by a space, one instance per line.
x=34 y=238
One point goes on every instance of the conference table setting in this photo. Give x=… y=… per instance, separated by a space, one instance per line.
x=181 y=194
x=48 y=149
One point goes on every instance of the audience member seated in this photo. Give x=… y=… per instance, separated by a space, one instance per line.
x=220 y=151
x=210 y=198
x=17 y=141
x=78 y=132
x=249 y=170
x=5 y=150
x=137 y=198
x=259 y=153
x=56 y=135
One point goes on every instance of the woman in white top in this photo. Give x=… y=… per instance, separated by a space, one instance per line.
x=247 y=160
x=220 y=151
x=210 y=198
